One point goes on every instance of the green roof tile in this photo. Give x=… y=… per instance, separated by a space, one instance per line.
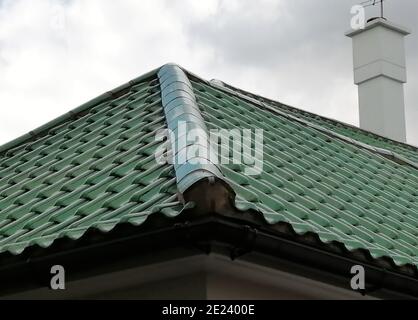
x=318 y=183
x=92 y=170
x=95 y=168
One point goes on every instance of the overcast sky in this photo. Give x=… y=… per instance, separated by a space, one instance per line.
x=58 y=54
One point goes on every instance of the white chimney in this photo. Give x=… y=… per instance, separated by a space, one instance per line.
x=380 y=72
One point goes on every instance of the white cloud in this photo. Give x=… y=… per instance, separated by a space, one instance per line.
x=58 y=54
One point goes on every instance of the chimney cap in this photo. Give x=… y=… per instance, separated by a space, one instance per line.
x=374 y=18
x=378 y=21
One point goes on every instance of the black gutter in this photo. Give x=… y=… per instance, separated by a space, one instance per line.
x=101 y=253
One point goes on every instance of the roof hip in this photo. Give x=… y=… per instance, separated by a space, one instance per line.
x=184 y=119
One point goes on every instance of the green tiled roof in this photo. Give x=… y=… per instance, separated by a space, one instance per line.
x=96 y=168
x=317 y=183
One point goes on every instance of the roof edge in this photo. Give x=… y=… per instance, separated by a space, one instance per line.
x=202 y=233
x=61 y=119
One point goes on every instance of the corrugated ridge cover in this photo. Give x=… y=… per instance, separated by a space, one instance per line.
x=320 y=184
x=93 y=170
x=182 y=116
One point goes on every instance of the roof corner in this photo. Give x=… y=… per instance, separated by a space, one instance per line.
x=183 y=117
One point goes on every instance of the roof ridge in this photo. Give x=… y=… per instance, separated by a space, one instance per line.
x=221 y=84
x=381 y=151
x=181 y=110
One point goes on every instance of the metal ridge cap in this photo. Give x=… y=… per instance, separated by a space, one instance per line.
x=177 y=94
x=68 y=115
